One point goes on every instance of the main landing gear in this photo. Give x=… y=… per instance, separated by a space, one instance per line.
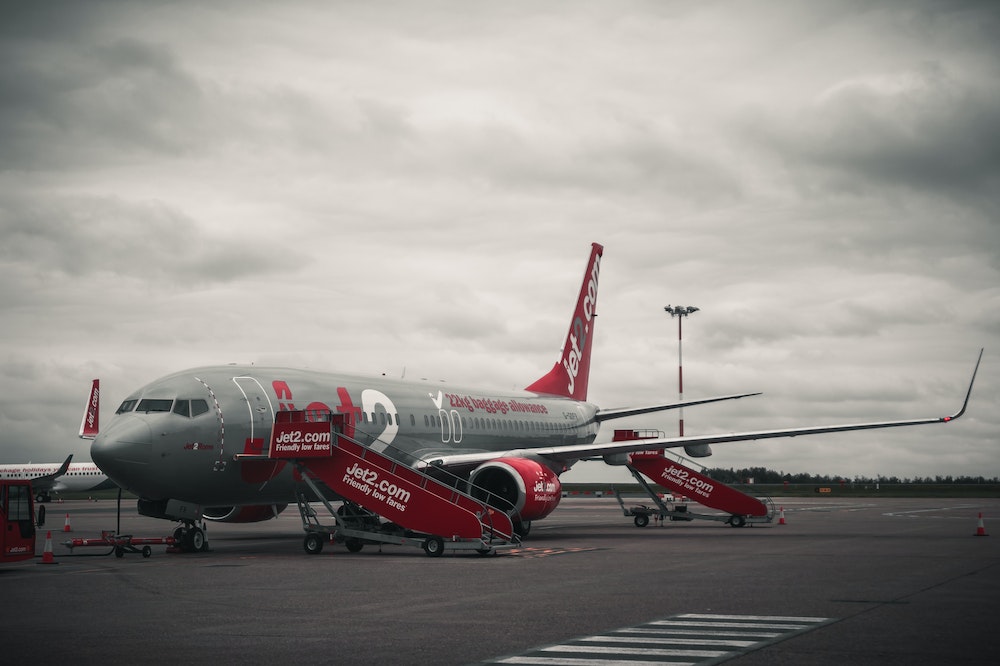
x=190 y=537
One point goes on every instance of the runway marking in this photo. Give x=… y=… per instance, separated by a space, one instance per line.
x=692 y=638
x=911 y=513
x=828 y=508
x=546 y=552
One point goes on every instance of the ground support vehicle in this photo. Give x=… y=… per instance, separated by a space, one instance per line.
x=677 y=473
x=119 y=544
x=17 y=520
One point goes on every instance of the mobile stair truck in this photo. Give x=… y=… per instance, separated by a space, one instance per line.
x=739 y=508
x=384 y=500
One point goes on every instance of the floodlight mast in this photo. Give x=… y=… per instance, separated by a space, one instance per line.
x=680 y=311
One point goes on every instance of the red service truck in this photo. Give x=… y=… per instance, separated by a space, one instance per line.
x=17 y=520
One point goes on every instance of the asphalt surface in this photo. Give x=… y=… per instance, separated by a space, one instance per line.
x=884 y=581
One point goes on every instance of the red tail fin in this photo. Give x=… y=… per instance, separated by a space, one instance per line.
x=569 y=376
x=90 y=425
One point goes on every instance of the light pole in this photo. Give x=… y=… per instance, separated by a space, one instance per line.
x=680 y=311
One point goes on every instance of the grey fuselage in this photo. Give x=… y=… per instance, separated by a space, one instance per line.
x=176 y=438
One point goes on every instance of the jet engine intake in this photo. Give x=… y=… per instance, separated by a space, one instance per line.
x=524 y=488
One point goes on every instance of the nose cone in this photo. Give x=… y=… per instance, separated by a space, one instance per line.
x=123 y=451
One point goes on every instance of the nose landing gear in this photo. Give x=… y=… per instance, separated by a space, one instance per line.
x=191 y=537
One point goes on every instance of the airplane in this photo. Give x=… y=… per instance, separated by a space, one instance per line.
x=182 y=442
x=65 y=477
x=55 y=478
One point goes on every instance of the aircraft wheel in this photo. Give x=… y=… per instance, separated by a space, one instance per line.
x=522 y=528
x=195 y=540
x=434 y=546
x=641 y=520
x=119 y=552
x=313 y=543
x=737 y=521
x=354 y=545
x=146 y=551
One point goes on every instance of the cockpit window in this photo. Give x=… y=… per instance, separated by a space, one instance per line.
x=190 y=408
x=127 y=406
x=154 y=405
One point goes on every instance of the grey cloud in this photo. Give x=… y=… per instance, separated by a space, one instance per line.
x=924 y=130
x=66 y=105
x=145 y=241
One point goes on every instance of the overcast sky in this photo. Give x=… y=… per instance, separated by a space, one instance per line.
x=379 y=186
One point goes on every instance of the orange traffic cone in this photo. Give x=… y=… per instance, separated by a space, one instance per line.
x=47 y=557
x=66 y=527
x=781 y=516
x=981 y=530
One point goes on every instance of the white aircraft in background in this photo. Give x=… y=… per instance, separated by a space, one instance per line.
x=66 y=477
x=184 y=443
x=48 y=479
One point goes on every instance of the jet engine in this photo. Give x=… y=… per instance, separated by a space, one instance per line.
x=532 y=489
x=698 y=450
x=243 y=514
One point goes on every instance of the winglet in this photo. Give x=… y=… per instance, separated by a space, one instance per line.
x=90 y=424
x=968 y=393
x=569 y=376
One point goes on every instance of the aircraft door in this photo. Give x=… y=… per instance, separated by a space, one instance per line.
x=260 y=407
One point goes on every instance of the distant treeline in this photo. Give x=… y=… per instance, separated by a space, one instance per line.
x=765 y=475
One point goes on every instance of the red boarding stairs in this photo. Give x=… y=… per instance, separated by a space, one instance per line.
x=740 y=507
x=419 y=509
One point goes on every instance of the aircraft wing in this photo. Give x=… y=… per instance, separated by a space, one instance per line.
x=621 y=412
x=573 y=452
x=45 y=483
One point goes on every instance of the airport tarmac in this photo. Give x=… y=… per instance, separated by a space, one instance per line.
x=860 y=581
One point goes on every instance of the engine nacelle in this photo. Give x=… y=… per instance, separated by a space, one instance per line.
x=698 y=450
x=243 y=514
x=531 y=488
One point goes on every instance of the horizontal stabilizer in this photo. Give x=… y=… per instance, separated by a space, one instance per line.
x=622 y=412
